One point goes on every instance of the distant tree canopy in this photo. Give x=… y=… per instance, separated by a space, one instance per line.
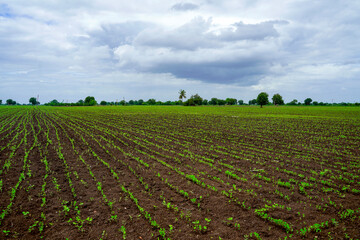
x=231 y=101
x=262 y=99
x=194 y=100
x=54 y=101
x=151 y=101
x=90 y=101
x=10 y=102
x=0 y=101
x=252 y=102
x=293 y=102
x=33 y=101
x=216 y=101
x=308 y=101
x=213 y=101
x=277 y=99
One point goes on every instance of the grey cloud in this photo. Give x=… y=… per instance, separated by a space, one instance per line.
x=242 y=72
x=114 y=35
x=184 y=7
x=190 y=36
x=243 y=31
x=242 y=66
x=195 y=51
x=198 y=34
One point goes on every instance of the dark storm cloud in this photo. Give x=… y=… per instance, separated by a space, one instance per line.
x=184 y=7
x=242 y=72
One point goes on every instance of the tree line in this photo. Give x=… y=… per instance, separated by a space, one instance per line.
x=194 y=100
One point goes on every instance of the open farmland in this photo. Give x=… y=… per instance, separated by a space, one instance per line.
x=180 y=172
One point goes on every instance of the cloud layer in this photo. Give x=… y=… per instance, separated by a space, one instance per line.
x=149 y=49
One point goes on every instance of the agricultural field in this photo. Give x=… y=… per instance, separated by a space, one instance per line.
x=157 y=172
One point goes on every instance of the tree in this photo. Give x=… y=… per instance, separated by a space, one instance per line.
x=293 y=102
x=308 y=101
x=194 y=100
x=241 y=102
x=32 y=100
x=221 y=102
x=213 y=101
x=0 y=101
x=182 y=94
x=122 y=102
x=80 y=103
x=262 y=99
x=231 y=101
x=10 y=102
x=141 y=102
x=151 y=101
x=103 y=103
x=54 y=103
x=197 y=99
x=252 y=102
x=277 y=99
x=90 y=101
x=205 y=102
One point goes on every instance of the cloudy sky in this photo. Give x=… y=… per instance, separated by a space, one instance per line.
x=67 y=50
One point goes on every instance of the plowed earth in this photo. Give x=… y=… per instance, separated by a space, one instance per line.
x=179 y=173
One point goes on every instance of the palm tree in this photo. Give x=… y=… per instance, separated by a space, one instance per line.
x=182 y=94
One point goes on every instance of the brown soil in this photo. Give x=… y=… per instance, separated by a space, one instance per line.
x=96 y=146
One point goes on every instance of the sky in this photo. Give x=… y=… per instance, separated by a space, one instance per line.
x=115 y=50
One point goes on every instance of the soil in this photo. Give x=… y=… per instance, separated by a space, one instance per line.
x=69 y=159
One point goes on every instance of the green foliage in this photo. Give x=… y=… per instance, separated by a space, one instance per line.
x=10 y=102
x=277 y=99
x=90 y=101
x=123 y=230
x=33 y=101
x=103 y=103
x=253 y=102
x=293 y=102
x=308 y=101
x=194 y=100
x=262 y=99
x=182 y=94
x=231 y=101
x=241 y=102
x=213 y=101
x=54 y=103
x=151 y=101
